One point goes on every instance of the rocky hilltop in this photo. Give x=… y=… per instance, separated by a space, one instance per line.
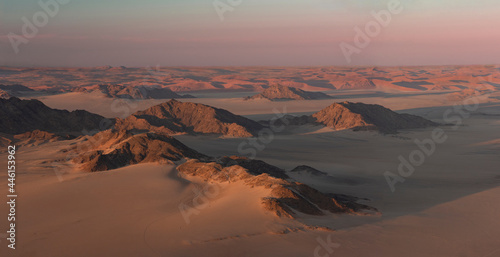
x=16 y=88
x=279 y=92
x=133 y=92
x=7 y=91
x=360 y=116
x=175 y=117
x=20 y=116
x=286 y=199
x=114 y=149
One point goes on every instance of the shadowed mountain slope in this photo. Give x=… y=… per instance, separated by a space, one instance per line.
x=175 y=117
x=20 y=116
x=133 y=92
x=114 y=149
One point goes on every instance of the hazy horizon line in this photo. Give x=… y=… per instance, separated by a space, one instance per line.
x=250 y=66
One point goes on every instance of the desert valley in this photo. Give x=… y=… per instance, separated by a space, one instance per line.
x=253 y=161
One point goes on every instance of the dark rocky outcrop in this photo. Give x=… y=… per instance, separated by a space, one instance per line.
x=133 y=92
x=16 y=88
x=20 y=116
x=8 y=91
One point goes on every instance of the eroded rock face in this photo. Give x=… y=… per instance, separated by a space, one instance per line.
x=279 y=92
x=133 y=92
x=20 y=116
x=286 y=198
x=113 y=149
x=174 y=117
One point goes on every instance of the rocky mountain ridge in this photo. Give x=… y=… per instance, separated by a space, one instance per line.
x=281 y=93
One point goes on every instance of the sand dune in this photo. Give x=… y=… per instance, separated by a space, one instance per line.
x=249 y=79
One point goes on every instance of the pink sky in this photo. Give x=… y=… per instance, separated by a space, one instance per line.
x=292 y=33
